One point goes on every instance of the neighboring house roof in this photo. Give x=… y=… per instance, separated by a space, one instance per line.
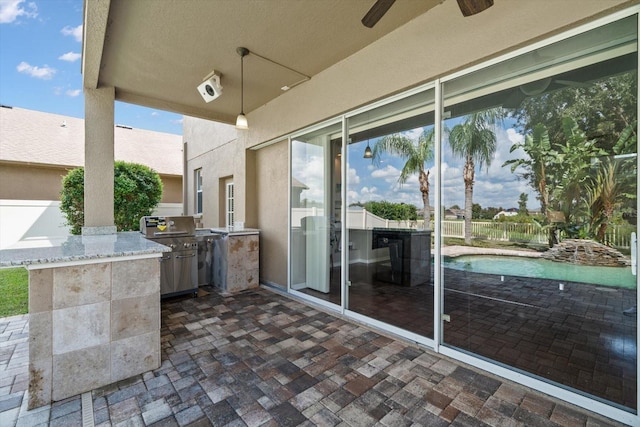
x=297 y=184
x=34 y=137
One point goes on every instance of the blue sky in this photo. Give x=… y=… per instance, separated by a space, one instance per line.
x=40 y=64
x=495 y=186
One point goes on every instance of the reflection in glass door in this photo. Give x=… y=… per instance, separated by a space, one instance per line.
x=315 y=212
x=390 y=157
x=539 y=173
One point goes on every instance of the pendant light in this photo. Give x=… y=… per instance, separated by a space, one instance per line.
x=367 y=151
x=241 y=121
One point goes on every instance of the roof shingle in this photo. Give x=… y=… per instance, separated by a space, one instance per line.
x=35 y=137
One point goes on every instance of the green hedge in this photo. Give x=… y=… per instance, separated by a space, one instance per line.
x=137 y=191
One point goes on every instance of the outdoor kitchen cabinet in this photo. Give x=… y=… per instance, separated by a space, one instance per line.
x=236 y=264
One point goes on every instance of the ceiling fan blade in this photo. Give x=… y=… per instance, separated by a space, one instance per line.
x=471 y=7
x=376 y=12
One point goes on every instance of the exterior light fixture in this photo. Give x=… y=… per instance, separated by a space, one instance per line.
x=367 y=152
x=241 y=121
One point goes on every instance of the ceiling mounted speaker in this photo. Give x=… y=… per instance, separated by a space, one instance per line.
x=471 y=7
x=211 y=88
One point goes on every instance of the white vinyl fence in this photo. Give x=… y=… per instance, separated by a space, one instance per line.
x=359 y=219
x=25 y=223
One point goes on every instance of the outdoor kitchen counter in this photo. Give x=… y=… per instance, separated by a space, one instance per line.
x=94 y=312
x=83 y=248
x=236 y=266
x=231 y=231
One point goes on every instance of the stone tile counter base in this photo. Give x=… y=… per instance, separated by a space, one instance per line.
x=91 y=325
x=94 y=311
x=238 y=265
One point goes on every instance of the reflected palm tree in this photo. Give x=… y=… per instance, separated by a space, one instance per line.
x=474 y=140
x=416 y=154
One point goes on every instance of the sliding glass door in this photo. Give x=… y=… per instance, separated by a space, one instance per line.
x=539 y=195
x=388 y=210
x=315 y=213
x=511 y=220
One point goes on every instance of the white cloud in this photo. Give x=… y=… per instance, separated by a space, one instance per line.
x=44 y=73
x=388 y=173
x=10 y=10
x=154 y=114
x=75 y=32
x=73 y=92
x=177 y=121
x=70 y=57
x=352 y=176
x=414 y=134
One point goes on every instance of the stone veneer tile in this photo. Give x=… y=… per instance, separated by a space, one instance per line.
x=40 y=377
x=132 y=356
x=79 y=371
x=253 y=278
x=135 y=278
x=40 y=290
x=40 y=342
x=81 y=327
x=81 y=284
x=135 y=316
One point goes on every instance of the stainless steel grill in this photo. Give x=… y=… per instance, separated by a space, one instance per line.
x=179 y=268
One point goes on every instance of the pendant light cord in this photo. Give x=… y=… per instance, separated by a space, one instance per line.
x=242 y=85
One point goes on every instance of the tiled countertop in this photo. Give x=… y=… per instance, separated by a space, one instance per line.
x=83 y=248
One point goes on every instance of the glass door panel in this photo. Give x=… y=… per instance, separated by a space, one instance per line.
x=390 y=157
x=539 y=206
x=315 y=212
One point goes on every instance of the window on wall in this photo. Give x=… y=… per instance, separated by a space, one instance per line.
x=230 y=210
x=198 y=195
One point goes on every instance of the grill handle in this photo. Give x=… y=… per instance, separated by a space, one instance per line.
x=185 y=256
x=170 y=233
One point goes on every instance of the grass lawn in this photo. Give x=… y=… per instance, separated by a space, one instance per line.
x=14 y=288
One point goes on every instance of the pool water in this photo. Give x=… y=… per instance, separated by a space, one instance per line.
x=543 y=269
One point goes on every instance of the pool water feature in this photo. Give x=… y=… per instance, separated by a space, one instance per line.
x=542 y=269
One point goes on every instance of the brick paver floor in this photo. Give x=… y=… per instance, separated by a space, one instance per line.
x=262 y=359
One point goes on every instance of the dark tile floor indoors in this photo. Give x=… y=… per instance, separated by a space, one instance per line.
x=577 y=337
x=260 y=358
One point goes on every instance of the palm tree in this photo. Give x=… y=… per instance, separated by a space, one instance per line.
x=416 y=153
x=605 y=193
x=539 y=155
x=474 y=140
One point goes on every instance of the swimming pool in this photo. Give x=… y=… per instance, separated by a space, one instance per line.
x=542 y=269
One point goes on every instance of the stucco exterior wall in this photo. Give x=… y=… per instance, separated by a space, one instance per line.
x=171 y=189
x=272 y=168
x=214 y=148
x=31 y=182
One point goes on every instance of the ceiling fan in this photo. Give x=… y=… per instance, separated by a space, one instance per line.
x=380 y=7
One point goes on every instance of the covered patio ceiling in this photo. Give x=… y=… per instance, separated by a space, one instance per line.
x=155 y=53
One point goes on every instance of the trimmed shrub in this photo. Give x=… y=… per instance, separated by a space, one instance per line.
x=137 y=191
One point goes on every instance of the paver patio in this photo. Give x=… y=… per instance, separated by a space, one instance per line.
x=263 y=359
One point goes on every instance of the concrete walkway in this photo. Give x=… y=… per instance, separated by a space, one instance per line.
x=263 y=359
